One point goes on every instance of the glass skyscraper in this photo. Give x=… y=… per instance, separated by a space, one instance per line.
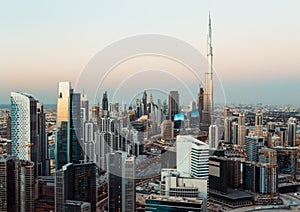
x=28 y=131
x=68 y=126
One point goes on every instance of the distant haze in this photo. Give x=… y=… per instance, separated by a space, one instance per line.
x=256 y=44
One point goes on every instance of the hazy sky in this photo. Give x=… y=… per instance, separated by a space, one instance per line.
x=256 y=42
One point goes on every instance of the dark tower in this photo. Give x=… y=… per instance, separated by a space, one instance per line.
x=173 y=104
x=200 y=103
x=104 y=104
x=145 y=103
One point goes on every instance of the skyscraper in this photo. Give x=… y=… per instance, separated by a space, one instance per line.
x=192 y=157
x=75 y=182
x=253 y=145
x=121 y=182
x=208 y=102
x=62 y=156
x=173 y=104
x=241 y=130
x=145 y=111
x=28 y=131
x=213 y=137
x=200 y=103
x=292 y=125
x=68 y=126
x=259 y=124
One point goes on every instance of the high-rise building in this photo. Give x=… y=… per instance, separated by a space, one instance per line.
x=121 y=182
x=253 y=145
x=62 y=154
x=174 y=105
x=235 y=133
x=231 y=130
x=8 y=181
x=145 y=111
x=167 y=129
x=241 y=130
x=89 y=142
x=267 y=155
x=260 y=177
x=8 y=126
x=68 y=126
x=85 y=106
x=287 y=160
x=28 y=131
x=75 y=182
x=259 y=124
x=16 y=184
x=208 y=101
x=192 y=157
x=213 y=136
x=200 y=103
x=292 y=125
x=106 y=136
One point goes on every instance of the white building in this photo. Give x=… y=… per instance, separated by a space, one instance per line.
x=192 y=157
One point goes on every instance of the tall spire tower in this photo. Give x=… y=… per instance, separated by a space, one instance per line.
x=208 y=104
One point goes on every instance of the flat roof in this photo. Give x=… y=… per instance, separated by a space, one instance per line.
x=233 y=194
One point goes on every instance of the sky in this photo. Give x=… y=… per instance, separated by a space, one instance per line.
x=256 y=43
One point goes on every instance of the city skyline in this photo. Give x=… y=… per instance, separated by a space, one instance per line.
x=49 y=52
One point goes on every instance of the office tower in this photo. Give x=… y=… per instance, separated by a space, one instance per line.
x=76 y=153
x=167 y=129
x=192 y=157
x=208 y=101
x=62 y=156
x=287 y=160
x=234 y=133
x=28 y=131
x=241 y=130
x=165 y=203
x=253 y=145
x=228 y=130
x=75 y=182
x=145 y=111
x=89 y=142
x=227 y=112
x=292 y=125
x=260 y=177
x=96 y=116
x=105 y=137
x=283 y=136
x=200 y=103
x=259 y=124
x=68 y=126
x=233 y=173
x=121 y=182
x=43 y=165
x=85 y=106
x=268 y=178
x=104 y=104
x=8 y=184
x=137 y=135
x=8 y=126
x=218 y=174
x=26 y=185
x=213 y=136
x=173 y=104
x=267 y=155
